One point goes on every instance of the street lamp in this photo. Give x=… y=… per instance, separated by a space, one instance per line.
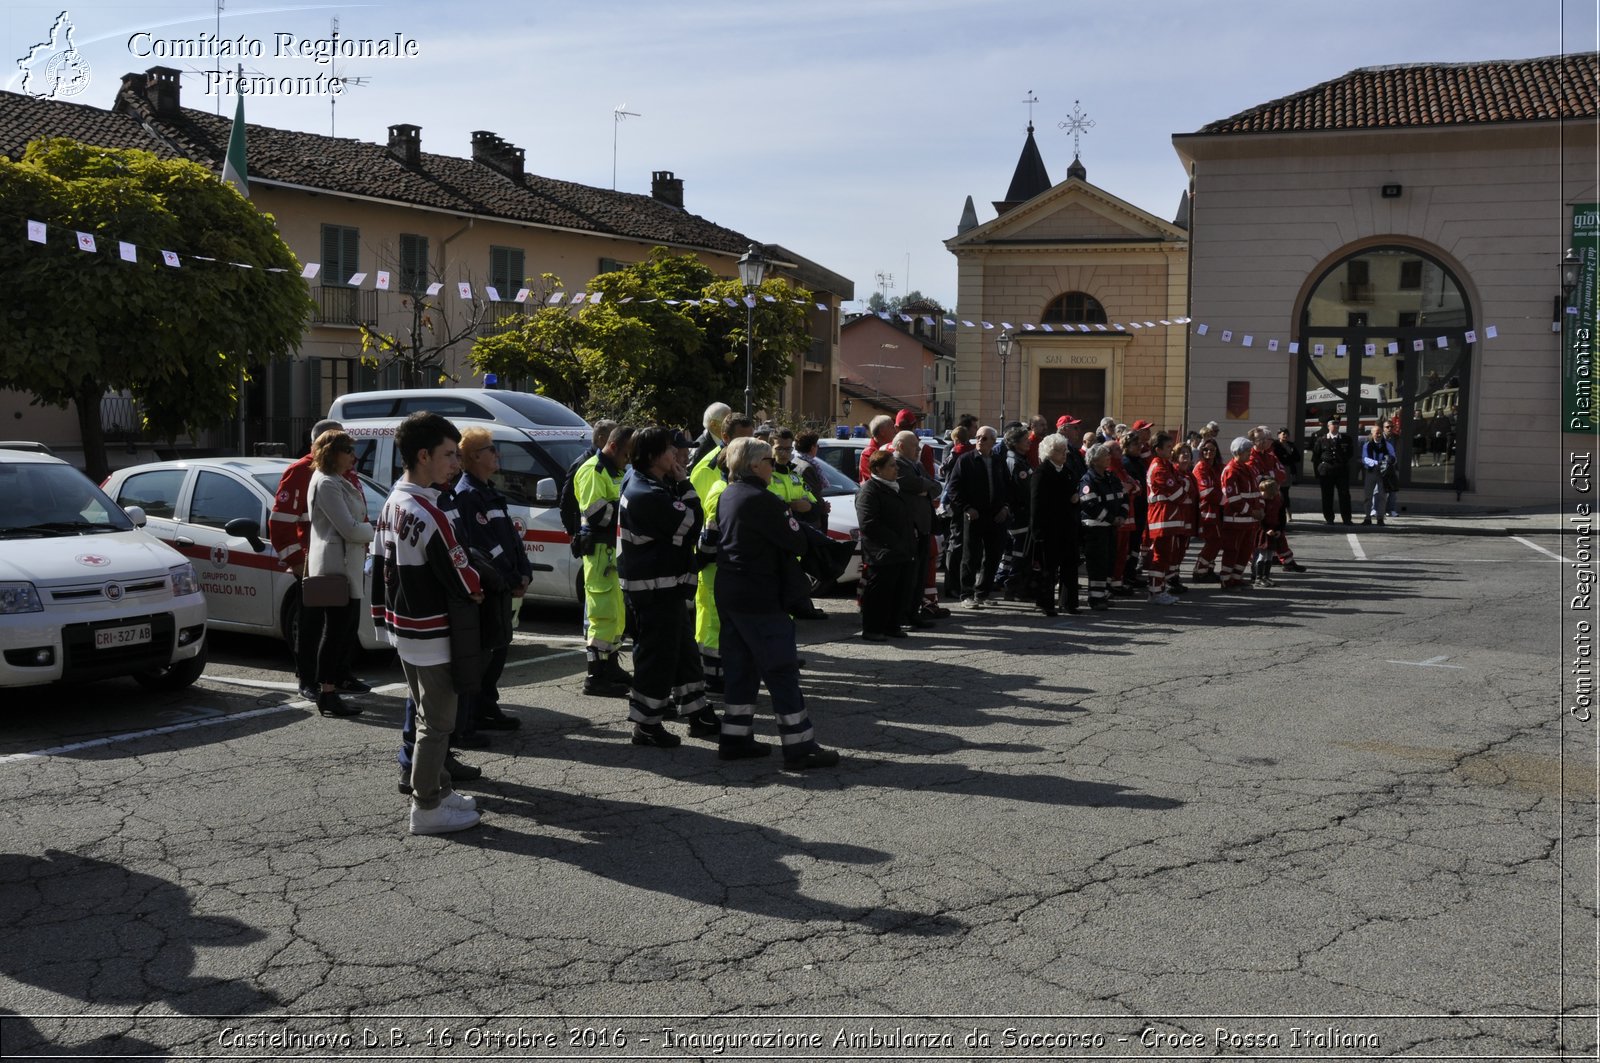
x=1002 y=346
x=752 y=267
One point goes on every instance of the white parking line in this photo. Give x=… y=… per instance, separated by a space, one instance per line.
x=1431 y=662
x=1542 y=550
x=1355 y=547
x=93 y=743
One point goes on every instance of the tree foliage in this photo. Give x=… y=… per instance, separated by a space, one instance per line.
x=877 y=304
x=663 y=354
x=82 y=324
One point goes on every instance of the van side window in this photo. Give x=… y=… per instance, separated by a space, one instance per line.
x=154 y=492
x=356 y=410
x=446 y=407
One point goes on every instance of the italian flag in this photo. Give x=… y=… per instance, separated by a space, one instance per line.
x=234 y=170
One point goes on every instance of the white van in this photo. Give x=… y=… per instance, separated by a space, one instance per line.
x=533 y=462
x=85 y=593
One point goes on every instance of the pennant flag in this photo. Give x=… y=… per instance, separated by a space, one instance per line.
x=1083 y=328
x=967 y=323
x=464 y=289
x=492 y=292
x=308 y=272
x=1201 y=330
x=1227 y=335
x=126 y=250
x=1047 y=328
x=171 y=259
x=672 y=302
x=356 y=279
x=578 y=298
x=555 y=297
x=1149 y=324
x=907 y=317
x=234 y=170
x=1417 y=345
x=1248 y=341
x=988 y=324
x=949 y=322
x=750 y=301
x=36 y=231
x=926 y=320
x=1027 y=327
x=1443 y=342
x=1491 y=332
x=435 y=288
x=1318 y=350
x=769 y=298
x=1135 y=324
x=1102 y=328
x=1341 y=351
x=1369 y=350
x=1472 y=336
x=383 y=280
x=86 y=242
x=1272 y=345
x=820 y=306
x=730 y=302
x=1008 y=326
x=1393 y=348
x=1294 y=347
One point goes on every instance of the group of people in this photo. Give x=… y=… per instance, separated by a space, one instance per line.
x=1331 y=454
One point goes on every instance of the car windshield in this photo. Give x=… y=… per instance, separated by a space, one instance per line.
x=834 y=481
x=46 y=499
x=540 y=410
x=524 y=463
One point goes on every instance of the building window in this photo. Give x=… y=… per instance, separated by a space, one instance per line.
x=341 y=253
x=1074 y=308
x=413 y=263
x=611 y=265
x=1411 y=275
x=505 y=270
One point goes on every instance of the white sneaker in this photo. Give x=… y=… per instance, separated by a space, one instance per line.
x=969 y=603
x=1163 y=599
x=457 y=800
x=442 y=819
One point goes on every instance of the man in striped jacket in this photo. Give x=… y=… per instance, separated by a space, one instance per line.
x=418 y=571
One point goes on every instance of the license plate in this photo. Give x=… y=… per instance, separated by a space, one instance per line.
x=112 y=637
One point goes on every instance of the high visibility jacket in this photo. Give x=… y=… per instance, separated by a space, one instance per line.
x=1164 y=487
x=1241 y=493
x=706 y=471
x=661 y=522
x=1102 y=503
x=789 y=485
x=598 y=489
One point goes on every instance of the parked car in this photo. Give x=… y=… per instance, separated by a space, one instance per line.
x=845 y=454
x=214 y=512
x=843 y=524
x=85 y=593
x=25 y=444
x=532 y=464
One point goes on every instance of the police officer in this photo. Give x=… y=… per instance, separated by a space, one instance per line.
x=758 y=581
x=1331 y=452
x=598 y=489
x=660 y=530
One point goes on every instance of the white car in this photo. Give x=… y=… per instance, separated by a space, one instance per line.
x=84 y=593
x=843 y=524
x=214 y=512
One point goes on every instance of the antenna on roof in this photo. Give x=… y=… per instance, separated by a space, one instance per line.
x=338 y=75
x=618 y=113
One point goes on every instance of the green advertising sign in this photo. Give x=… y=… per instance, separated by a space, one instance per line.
x=1578 y=362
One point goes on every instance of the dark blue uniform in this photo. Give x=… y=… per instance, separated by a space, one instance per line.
x=1101 y=506
x=481 y=521
x=758 y=583
x=660 y=521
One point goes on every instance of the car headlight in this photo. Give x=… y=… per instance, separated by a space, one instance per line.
x=19 y=598
x=184 y=581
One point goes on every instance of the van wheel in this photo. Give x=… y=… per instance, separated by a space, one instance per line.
x=176 y=676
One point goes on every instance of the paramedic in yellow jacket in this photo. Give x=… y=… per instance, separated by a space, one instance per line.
x=597 y=487
x=708 y=479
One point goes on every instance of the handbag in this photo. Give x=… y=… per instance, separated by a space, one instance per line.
x=1391 y=479
x=324 y=592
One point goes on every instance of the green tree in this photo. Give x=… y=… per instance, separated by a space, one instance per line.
x=179 y=339
x=654 y=348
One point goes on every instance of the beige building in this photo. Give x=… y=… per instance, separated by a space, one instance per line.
x=1060 y=257
x=1402 y=211
x=353 y=207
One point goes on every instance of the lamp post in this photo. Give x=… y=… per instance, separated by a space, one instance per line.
x=1002 y=346
x=752 y=267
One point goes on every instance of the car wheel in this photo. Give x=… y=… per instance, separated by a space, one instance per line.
x=176 y=676
x=291 y=625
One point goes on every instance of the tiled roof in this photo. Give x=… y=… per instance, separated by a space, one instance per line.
x=24 y=119
x=443 y=182
x=1433 y=94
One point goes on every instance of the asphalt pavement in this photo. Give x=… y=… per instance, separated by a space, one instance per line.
x=1349 y=816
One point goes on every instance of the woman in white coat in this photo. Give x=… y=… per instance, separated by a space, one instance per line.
x=340 y=533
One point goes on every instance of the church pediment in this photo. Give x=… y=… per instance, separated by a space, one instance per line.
x=1076 y=212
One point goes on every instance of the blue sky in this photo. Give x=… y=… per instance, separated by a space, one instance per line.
x=850 y=132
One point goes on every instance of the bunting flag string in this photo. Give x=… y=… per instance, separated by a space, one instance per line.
x=383 y=280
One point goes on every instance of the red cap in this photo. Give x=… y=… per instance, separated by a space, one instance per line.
x=906 y=418
x=1141 y=425
x=1066 y=420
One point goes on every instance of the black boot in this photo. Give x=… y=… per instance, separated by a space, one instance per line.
x=599 y=684
x=614 y=671
x=705 y=724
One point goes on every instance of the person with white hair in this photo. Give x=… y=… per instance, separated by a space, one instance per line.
x=1241 y=513
x=1102 y=505
x=712 y=421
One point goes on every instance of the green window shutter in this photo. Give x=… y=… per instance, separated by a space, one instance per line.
x=413 y=263
x=506 y=270
x=341 y=253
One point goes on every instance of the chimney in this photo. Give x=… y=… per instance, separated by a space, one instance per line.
x=161 y=88
x=405 y=143
x=491 y=151
x=667 y=188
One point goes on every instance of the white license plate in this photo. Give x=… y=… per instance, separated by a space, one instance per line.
x=112 y=637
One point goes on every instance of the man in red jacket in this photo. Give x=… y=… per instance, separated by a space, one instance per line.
x=289 y=531
x=1165 y=493
x=1241 y=513
x=1264 y=460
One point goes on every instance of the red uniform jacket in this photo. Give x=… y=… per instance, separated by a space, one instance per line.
x=1241 y=493
x=289 y=525
x=1165 y=491
x=1208 y=489
x=1265 y=463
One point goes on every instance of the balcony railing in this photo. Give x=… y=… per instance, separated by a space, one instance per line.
x=344 y=306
